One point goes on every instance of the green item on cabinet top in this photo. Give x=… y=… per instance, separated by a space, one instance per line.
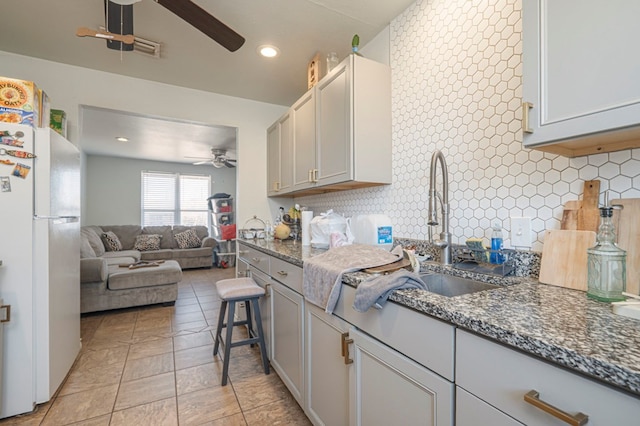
x=59 y=121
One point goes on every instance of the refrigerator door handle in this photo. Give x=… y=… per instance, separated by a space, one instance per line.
x=65 y=218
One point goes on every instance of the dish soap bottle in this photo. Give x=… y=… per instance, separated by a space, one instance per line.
x=496 y=244
x=607 y=263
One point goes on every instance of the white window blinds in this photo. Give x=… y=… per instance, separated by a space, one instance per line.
x=174 y=199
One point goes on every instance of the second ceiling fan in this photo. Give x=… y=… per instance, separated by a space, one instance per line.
x=119 y=23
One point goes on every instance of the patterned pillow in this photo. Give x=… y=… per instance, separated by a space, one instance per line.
x=188 y=239
x=147 y=242
x=111 y=241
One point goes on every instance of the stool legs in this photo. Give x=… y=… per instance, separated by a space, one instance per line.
x=253 y=338
x=263 y=346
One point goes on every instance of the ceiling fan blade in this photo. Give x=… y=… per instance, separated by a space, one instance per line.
x=88 y=32
x=198 y=163
x=202 y=20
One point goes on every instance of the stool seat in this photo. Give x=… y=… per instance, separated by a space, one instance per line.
x=232 y=291
x=238 y=288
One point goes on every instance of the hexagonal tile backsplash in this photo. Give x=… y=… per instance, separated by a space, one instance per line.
x=456 y=84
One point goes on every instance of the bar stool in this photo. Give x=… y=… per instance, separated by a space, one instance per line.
x=239 y=290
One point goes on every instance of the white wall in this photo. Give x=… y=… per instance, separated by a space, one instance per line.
x=114 y=198
x=70 y=86
x=457 y=86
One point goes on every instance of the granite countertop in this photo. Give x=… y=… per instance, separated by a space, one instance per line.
x=556 y=324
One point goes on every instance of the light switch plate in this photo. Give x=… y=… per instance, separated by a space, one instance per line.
x=521 y=232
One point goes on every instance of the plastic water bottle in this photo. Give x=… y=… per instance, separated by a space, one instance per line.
x=496 y=244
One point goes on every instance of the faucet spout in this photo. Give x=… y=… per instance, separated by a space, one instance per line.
x=434 y=199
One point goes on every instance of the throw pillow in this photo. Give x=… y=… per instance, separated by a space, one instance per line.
x=188 y=239
x=111 y=241
x=147 y=242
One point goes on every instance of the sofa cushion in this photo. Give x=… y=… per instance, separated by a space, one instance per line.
x=132 y=254
x=201 y=231
x=162 y=254
x=166 y=242
x=147 y=242
x=195 y=252
x=124 y=260
x=86 y=251
x=111 y=241
x=126 y=234
x=93 y=237
x=188 y=239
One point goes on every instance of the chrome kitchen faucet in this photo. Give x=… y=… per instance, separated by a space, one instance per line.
x=444 y=243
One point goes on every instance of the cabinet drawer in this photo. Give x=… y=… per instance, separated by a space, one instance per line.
x=287 y=273
x=502 y=376
x=254 y=258
x=425 y=340
x=472 y=411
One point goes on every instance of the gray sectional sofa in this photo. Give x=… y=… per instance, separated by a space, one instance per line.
x=106 y=281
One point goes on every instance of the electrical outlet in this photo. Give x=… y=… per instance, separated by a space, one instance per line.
x=521 y=232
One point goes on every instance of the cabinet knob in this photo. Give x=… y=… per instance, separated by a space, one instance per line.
x=533 y=398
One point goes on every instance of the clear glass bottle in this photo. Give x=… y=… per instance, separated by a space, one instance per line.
x=268 y=231
x=607 y=269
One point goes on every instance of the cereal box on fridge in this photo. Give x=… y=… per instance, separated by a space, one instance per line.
x=19 y=102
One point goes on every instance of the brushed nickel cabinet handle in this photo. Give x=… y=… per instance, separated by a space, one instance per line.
x=533 y=398
x=266 y=290
x=310 y=176
x=255 y=259
x=315 y=175
x=345 y=348
x=526 y=106
x=283 y=273
x=276 y=186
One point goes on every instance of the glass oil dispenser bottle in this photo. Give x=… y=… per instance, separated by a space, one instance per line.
x=606 y=274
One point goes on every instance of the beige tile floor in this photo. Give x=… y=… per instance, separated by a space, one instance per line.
x=154 y=366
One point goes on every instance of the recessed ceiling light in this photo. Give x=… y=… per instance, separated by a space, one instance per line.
x=268 y=51
x=122 y=139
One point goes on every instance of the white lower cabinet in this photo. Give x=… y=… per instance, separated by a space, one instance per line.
x=287 y=338
x=388 y=388
x=502 y=377
x=327 y=368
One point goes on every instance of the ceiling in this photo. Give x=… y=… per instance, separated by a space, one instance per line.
x=299 y=28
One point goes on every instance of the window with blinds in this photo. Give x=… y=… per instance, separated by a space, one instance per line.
x=175 y=199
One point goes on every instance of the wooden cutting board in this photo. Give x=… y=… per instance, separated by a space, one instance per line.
x=627 y=224
x=391 y=267
x=564 y=258
x=570 y=215
x=588 y=213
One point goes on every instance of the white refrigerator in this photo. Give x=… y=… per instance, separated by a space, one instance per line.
x=40 y=272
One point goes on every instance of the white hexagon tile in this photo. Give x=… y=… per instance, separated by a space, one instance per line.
x=457 y=87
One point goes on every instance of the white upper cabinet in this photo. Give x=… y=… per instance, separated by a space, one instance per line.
x=342 y=130
x=581 y=76
x=280 y=156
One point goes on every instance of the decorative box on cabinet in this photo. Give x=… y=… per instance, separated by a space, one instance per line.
x=581 y=89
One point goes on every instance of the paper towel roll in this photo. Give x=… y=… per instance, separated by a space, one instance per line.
x=306 y=228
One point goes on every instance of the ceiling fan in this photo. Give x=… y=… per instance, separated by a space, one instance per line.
x=119 y=25
x=219 y=159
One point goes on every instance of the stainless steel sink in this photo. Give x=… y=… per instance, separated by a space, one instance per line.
x=451 y=286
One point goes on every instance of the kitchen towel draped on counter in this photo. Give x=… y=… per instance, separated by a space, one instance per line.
x=375 y=291
x=322 y=274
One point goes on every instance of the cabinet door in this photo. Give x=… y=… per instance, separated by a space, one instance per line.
x=327 y=369
x=287 y=338
x=265 y=305
x=333 y=117
x=280 y=156
x=304 y=141
x=579 y=71
x=387 y=387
